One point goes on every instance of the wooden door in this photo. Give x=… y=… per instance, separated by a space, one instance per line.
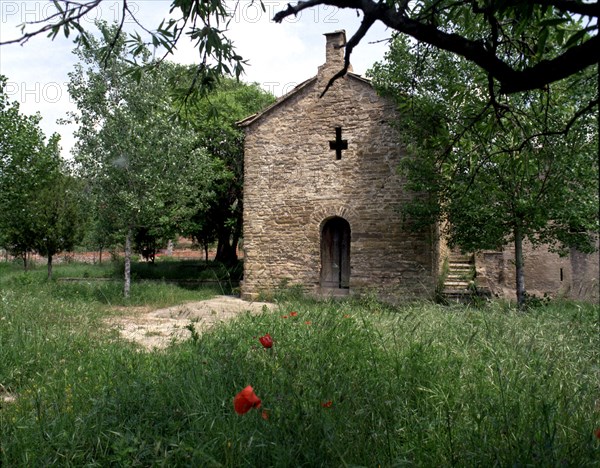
x=335 y=254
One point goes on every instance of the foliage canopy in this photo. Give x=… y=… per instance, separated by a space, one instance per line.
x=495 y=171
x=38 y=197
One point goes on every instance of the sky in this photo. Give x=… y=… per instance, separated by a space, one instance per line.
x=280 y=55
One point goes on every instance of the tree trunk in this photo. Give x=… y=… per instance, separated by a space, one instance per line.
x=237 y=232
x=49 y=266
x=127 y=286
x=226 y=252
x=520 y=274
x=227 y=241
x=205 y=252
x=100 y=256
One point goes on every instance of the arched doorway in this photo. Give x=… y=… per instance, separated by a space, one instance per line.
x=335 y=254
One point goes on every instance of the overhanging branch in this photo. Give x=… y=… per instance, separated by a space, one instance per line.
x=512 y=79
x=572 y=6
x=353 y=42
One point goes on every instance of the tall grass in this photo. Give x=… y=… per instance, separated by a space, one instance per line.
x=354 y=383
x=154 y=285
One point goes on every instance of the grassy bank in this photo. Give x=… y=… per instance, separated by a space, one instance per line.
x=346 y=383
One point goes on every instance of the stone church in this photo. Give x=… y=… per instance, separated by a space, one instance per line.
x=322 y=195
x=323 y=198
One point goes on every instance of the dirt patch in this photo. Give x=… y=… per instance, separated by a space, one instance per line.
x=6 y=396
x=156 y=329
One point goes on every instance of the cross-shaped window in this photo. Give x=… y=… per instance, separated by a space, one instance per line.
x=338 y=144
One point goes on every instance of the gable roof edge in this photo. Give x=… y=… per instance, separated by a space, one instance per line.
x=255 y=117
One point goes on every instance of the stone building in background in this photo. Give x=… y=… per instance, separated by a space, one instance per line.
x=323 y=198
x=573 y=276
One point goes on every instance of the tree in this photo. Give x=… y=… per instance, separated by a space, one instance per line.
x=38 y=210
x=21 y=141
x=147 y=242
x=145 y=170
x=59 y=218
x=508 y=39
x=99 y=233
x=214 y=119
x=495 y=171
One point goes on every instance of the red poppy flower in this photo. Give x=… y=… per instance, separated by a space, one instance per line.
x=266 y=341
x=597 y=433
x=245 y=401
x=293 y=314
x=308 y=322
x=265 y=414
x=327 y=404
x=284 y=316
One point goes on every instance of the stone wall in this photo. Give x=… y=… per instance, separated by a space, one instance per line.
x=546 y=273
x=293 y=183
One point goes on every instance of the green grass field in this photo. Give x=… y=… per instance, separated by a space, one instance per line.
x=346 y=383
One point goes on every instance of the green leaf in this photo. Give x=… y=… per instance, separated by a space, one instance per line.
x=541 y=45
x=575 y=38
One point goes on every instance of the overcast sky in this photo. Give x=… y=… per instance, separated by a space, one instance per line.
x=280 y=55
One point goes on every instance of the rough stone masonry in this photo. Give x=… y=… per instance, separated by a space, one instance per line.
x=322 y=194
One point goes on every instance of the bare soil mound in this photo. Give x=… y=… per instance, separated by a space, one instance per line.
x=156 y=329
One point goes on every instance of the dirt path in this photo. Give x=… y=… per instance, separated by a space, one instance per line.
x=156 y=329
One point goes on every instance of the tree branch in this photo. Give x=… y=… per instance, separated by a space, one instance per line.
x=571 y=6
x=68 y=16
x=584 y=110
x=573 y=60
x=362 y=30
x=511 y=78
x=113 y=42
x=294 y=10
x=398 y=15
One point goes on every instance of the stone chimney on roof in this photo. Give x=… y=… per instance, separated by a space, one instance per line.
x=335 y=48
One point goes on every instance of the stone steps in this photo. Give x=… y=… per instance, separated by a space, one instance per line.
x=456 y=285
x=459 y=296
x=459 y=279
